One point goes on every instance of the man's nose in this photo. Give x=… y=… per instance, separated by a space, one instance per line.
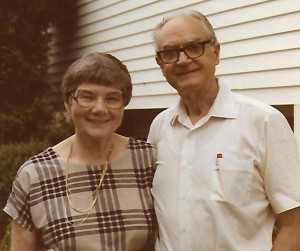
x=182 y=58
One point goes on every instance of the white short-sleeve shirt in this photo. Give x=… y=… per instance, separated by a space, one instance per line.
x=219 y=182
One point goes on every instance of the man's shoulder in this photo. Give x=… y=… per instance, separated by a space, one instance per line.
x=165 y=115
x=251 y=104
x=161 y=122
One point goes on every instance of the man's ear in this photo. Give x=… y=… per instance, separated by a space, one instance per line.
x=157 y=60
x=161 y=65
x=217 y=49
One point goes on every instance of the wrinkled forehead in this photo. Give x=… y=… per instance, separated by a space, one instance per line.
x=181 y=30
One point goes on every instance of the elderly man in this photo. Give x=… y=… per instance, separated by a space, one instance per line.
x=227 y=165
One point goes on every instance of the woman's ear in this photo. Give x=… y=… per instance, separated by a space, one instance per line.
x=68 y=105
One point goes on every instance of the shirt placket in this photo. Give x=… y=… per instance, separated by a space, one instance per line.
x=184 y=188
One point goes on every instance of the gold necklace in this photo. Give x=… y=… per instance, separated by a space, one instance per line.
x=95 y=192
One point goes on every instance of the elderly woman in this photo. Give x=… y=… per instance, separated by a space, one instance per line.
x=92 y=190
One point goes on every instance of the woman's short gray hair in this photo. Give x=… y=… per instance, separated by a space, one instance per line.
x=97 y=68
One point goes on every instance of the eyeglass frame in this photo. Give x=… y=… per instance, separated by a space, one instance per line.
x=99 y=96
x=182 y=49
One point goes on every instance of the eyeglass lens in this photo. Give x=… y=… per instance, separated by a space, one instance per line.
x=112 y=99
x=193 y=50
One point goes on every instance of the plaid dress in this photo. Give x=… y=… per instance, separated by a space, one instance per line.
x=122 y=219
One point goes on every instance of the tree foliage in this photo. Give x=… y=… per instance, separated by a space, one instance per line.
x=25 y=85
x=27 y=121
x=12 y=156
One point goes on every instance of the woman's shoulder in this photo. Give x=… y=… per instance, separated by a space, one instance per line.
x=144 y=151
x=40 y=160
x=47 y=155
x=139 y=144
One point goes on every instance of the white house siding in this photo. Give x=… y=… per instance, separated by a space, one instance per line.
x=260 y=45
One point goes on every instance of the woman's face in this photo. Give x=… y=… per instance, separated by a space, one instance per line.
x=96 y=121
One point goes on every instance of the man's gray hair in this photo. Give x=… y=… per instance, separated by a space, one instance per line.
x=190 y=13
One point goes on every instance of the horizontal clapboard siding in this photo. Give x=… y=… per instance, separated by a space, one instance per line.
x=260 y=43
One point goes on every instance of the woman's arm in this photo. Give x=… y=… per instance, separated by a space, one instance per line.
x=22 y=239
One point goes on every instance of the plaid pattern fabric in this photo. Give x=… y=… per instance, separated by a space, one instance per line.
x=122 y=219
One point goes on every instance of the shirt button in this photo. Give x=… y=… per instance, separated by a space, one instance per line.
x=186 y=166
x=184 y=230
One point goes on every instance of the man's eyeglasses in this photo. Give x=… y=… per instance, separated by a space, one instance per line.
x=193 y=50
x=88 y=98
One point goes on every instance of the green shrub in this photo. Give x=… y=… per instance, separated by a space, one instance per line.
x=62 y=128
x=12 y=156
x=5 y=242
x=25 y=82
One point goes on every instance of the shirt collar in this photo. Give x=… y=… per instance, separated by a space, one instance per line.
x=223 y=106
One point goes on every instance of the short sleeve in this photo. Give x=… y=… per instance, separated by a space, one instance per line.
x=18 y=204
x=155 y=128
x=282 y=173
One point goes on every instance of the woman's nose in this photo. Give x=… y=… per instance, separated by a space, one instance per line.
x=100 y=104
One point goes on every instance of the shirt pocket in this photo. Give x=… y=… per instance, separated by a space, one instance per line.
x=231 y=181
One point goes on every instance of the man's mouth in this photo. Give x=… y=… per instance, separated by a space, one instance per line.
x=186 y=72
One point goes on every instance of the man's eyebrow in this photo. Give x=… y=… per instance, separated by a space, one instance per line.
x=169 y=46
x=172 y=46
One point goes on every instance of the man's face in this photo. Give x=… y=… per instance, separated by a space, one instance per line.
x=188 y=74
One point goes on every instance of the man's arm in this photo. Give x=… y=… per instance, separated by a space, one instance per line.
x=22 y=239
x=288 y=236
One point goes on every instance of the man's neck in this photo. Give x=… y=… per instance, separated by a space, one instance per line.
x=198 y=103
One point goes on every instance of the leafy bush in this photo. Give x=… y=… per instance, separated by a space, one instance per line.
x=5 y=242
x=61 y=129
x=12 y=156
x=25 y=82
x=26 y=114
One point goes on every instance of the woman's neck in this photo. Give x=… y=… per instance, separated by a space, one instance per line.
x=91 y=151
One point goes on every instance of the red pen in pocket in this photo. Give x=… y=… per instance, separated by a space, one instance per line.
x=219 y=157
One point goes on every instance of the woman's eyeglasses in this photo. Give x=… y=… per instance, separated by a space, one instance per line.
x=88 y=98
